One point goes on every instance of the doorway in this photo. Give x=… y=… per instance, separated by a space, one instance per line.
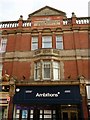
x=69 y=112
x=69 y=115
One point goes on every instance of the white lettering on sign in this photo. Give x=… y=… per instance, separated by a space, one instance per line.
x=28 y=91
x=46 y=22
x=67 y=91
x=47 y=94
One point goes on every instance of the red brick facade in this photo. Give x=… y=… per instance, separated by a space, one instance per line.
x=19 y=57
x=21 y=42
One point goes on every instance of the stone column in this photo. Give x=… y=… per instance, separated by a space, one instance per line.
x=11 y=94
x=52 y=77
x=53 y=40
x=40 y=40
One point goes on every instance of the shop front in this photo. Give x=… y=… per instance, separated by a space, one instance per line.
x=47 y=102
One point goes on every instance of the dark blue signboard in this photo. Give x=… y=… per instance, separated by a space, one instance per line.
x=47 y=95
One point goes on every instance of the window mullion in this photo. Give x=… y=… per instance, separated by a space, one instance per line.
x=52 y=70
x=41 y=70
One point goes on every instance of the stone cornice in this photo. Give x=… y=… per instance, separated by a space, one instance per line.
x=45 y=53
x=49 y=83
x=45 y=30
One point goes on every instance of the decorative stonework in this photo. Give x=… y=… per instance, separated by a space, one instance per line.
x=64 y=54
x=82 y=86
x=46 y=51
x=47 y=11
x=56 y=51
x=47 y=23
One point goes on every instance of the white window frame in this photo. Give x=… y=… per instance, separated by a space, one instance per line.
x=46 y=65
x=88 y=91
x=37 y=71
x=47 y=42
x=59 y=42
x=3 y=45
x=34 y=43
x=47 y=70
x=17 y=113
x=56 y=70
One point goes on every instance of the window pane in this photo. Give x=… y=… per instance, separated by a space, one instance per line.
x=24 y=113
x=88 y=91
x=59 y=42
x=46 y=42
x=34 y=43
x=47 y=111
x=31 y=114
x=17 y=116
x=46 y=45
x=55 y=64
x=46 y=72
x=56 y=73
x=37 y=70
x=46 y=69
x=17 y=113
x=47 y=114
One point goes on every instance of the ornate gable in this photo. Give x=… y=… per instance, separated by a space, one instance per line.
x=47 y=11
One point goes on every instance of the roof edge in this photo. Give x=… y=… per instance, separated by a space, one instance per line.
x=63 y=13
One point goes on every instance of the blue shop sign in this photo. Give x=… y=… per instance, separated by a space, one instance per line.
x=47 y=95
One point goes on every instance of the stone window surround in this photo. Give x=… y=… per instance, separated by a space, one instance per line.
x=61 y=71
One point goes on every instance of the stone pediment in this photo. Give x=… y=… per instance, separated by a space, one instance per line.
x=47 y=11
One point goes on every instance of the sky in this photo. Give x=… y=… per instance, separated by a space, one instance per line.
x=12 y=9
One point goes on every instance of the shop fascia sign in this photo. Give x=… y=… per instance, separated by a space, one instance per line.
x=45 y=94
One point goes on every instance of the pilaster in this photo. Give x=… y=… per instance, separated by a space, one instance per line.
x=84 y=98
x=11 y=94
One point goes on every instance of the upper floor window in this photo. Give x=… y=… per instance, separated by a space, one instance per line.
x=3 y=44
x=56 y=71
x=47 y=70
x=47 y=42
x=59 y=42
x=34 y=44
x=37 y=71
